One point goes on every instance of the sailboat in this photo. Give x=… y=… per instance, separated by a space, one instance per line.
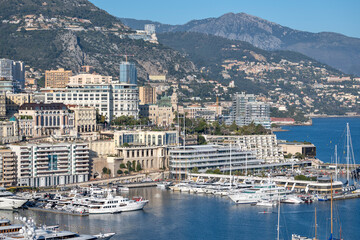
x=331 y=237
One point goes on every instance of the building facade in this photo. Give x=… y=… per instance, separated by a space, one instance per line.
x=6 y=67
x=265 y=147
x=145 y=138
x=305 y=149
x=128 y=73
x=8 y=168
x=85 y=118
x=6 y=86
x=161 y=115
x=44 y=165
x=2 y=105
x=15 y=100
x=9 y=132
x=209 y=157
x=149 y=157
x=147 y=95
x=111 y=100
x=86 y=78
x=245 y=110
x=57 y=78
x=41 y=119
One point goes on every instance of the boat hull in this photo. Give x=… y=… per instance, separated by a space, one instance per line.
x=11 y=203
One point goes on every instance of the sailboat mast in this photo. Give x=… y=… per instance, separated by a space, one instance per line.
x=331 y=207
x=315 y=226
x=347 y=153
x=230 y=166
x=246 y=156
x=278 y=225
x=336 y=163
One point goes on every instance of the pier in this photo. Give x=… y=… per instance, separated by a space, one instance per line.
x=58 y=211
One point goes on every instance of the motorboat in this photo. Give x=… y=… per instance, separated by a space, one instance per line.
x=291 y=199
x=257 y=193
x=9 y=201
x=266 y=203
x=29 y=230
x=121 y=188
x=115 y=204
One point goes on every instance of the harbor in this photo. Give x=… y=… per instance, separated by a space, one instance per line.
x=204 y=205
x=187 y=216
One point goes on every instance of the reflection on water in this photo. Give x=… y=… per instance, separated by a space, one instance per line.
x=189 y=216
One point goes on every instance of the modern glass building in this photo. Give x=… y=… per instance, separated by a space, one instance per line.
x=128 y=73
x=14 y=72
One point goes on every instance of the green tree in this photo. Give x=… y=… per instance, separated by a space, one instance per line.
x=104 y=170
x=201 y=140
x=299 y=156
x=134 y=165
x=217 y=171
x=233 y=127
x=122 y=165
x=195 y=170
x=138 y=167
x=119 y=172
x=128 y=165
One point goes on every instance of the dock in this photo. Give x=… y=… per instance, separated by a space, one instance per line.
x=140 y=185
x=347 y=196
x=58 y=211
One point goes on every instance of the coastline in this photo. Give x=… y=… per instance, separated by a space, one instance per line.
x=333 y=116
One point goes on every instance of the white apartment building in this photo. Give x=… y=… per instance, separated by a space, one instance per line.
x=111 y=100
x=265 y=146
x=87 y=78
x=205 y=157
x=44 y=165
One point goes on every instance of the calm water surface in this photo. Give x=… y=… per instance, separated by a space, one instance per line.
x=325 y=133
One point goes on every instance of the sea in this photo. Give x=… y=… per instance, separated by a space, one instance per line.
x=173 y=215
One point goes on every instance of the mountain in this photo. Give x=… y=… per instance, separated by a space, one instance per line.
x=334 y=49
x=46 y=34
x=284 y=77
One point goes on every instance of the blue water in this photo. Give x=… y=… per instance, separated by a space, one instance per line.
x=324 y=134
x=189 y=216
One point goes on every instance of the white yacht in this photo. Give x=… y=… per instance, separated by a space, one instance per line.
x=291 y=199
x=9 y=201
x=116 y=204
x=29 y=230
x=258 y=193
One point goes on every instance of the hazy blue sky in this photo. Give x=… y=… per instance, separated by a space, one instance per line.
x=342 y=16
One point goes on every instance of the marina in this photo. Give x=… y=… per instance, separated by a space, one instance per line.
x=204 y=205
x=203 y=216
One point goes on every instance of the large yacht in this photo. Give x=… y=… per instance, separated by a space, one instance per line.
x=258 y=193
x=116 y=204
x=28 y=230
x=9 y=201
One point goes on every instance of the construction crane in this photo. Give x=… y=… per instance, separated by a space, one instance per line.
x=126 y=56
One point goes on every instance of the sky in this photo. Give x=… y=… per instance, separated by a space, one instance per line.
x=341 y=16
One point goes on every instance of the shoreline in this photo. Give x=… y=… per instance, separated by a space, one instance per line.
x=333 y=116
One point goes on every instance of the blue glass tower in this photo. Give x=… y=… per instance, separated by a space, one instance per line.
x=128 y=73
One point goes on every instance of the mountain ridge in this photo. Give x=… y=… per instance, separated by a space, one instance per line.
x=334 y=49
